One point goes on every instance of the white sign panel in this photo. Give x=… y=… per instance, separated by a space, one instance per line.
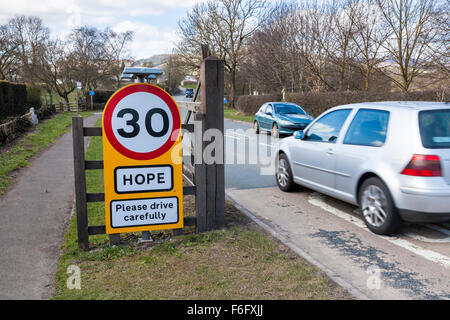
x=145 y=127
x=144 y=212
x=143 y=179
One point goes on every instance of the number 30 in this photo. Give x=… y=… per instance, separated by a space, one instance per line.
x=148 y=123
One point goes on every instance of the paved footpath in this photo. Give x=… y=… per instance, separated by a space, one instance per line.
x=34 y=215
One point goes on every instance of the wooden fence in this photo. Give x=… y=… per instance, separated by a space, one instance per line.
x=207 y=180
x=72 y=106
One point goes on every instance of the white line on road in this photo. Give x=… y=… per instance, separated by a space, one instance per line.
x=426 y=239
x=317 y=199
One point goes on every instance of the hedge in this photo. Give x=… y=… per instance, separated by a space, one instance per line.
x=99 y=99
x=13 y=100
x=101 y=96
x=316 y=103
x=34 y=97
x=249 y=105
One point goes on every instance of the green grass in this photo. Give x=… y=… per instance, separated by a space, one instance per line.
x=25 y=148
x=233 y=114
x=238 y=262
x=192 y=86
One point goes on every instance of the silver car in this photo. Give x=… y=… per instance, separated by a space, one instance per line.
x=390 y=158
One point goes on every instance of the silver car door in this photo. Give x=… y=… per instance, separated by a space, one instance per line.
x=364 y=140
x=314 y=157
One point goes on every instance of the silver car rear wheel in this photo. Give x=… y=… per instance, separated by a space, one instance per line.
x=377 y=207
x=374 y=206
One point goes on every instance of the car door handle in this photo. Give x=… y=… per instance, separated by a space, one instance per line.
x=330 y=152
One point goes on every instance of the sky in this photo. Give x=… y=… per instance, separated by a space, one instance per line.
x=154 y=22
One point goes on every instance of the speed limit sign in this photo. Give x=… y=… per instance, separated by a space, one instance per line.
x=142 y=160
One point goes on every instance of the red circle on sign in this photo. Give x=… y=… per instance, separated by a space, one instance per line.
x=122 y=93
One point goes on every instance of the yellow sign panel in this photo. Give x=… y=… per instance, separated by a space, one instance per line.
x=142 y=160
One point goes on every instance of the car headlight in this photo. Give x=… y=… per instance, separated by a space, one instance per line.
x=286 y=123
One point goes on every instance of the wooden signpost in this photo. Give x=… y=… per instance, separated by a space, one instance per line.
x=143 y=163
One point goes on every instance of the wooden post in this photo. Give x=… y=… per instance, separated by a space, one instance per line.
x=212 y=176
x=80 y=182
x=200 y=173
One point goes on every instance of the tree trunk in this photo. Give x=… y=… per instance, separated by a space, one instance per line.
x=233 y=87
x=367 y=79
x=66 y=98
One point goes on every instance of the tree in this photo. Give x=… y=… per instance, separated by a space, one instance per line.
x=369 y=39
x=225 y=26
x=273 y=53
x=116 y=48
x=175 y=73
x=30 y=35
x=56 y=68
x=8 y=53
x=412 y=33
x=334 y=28
x=88 y=47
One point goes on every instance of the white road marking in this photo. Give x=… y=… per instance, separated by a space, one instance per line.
x=426 y=239
x=317 y=199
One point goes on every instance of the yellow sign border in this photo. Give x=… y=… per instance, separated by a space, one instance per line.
x=112 y=159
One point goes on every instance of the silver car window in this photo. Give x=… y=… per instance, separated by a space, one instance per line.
x=327 y=128
x=435 y=128
x=368 y=128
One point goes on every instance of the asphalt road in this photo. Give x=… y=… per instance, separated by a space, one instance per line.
x=415 y=264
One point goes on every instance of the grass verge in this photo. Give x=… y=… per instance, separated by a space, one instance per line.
x=234 y=114
x=237 y=262
x=16 y=155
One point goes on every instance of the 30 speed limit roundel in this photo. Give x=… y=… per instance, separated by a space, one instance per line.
x=141 y=121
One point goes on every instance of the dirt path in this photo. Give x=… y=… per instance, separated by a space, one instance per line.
x=33 y=217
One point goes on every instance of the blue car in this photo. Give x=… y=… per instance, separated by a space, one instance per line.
x=281 y=118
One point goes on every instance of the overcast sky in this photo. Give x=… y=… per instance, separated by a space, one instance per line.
x=154 y=22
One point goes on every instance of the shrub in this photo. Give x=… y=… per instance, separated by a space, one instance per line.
x=13 y=100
